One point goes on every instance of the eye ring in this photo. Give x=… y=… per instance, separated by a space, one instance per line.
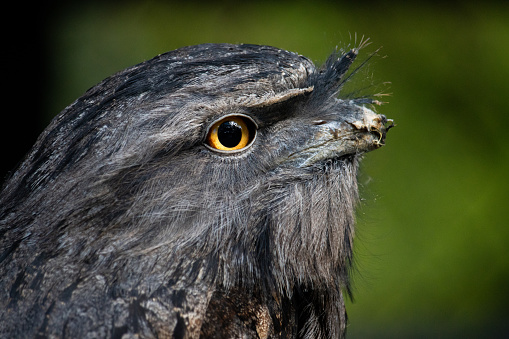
x=231 y=133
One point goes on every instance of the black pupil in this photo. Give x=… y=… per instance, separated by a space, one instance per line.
x=229 y=134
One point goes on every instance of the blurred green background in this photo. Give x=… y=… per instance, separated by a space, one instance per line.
x=432 y=246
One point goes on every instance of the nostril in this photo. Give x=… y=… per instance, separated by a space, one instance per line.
x=382 y=118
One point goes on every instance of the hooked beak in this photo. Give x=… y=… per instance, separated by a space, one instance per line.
x=356 y=133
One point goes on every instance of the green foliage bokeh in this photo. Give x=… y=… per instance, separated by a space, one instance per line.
x=432 y=254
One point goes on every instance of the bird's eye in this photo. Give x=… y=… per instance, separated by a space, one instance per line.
x=231 y=133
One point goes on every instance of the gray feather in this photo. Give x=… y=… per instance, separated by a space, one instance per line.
x=122 y=223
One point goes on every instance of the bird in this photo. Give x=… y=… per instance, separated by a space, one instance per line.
x=208 y=192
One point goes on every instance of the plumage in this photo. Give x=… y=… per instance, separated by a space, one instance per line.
x=123 y=222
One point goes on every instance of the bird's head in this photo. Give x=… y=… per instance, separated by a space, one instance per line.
x=242 y=156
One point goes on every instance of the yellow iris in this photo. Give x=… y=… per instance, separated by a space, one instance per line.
x=229 y=134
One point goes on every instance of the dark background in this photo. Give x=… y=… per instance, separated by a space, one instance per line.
x=432 y=246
